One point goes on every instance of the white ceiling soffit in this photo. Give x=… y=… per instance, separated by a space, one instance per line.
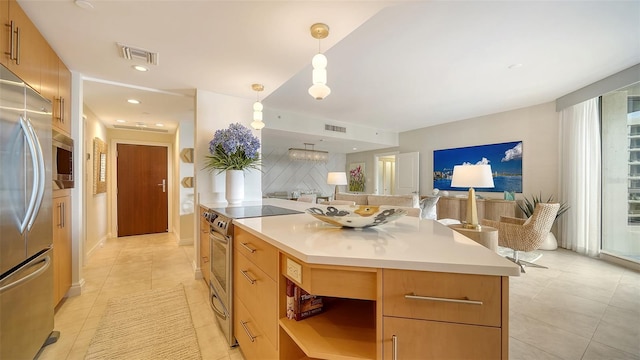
x=397 y=68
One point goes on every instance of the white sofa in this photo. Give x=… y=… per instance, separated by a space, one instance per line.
x=427 y=205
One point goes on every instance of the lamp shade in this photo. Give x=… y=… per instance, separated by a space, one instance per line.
x=337 y=178
x=478 y=176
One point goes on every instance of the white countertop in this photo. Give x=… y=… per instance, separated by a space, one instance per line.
x=407 y=243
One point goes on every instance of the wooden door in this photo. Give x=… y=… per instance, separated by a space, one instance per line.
x=142 y=189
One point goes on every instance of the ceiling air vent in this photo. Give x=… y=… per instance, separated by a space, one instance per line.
x=335 y=128
x=141 y=128
x=131 y=53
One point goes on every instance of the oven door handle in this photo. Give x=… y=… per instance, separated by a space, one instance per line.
x=218 y=312
x=219 y=237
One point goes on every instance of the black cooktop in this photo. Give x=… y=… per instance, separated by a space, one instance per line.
x=243 y=212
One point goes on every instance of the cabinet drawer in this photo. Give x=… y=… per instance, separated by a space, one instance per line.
x=461 y=298
x=258 y=292
x=336 y=281
x=257 y=251
x=253 y=343
x=423 y=339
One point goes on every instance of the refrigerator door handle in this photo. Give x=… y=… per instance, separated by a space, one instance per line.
x=46 y=262
x=41 y=174
x=34 y=190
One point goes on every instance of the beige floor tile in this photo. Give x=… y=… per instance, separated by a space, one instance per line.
x=522 y=351
x=560 y=298
x=562 y=318
x=598 y=351
x=620 y=329
x=551 y=339
x=627 y=296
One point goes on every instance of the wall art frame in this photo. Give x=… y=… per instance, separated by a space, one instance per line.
x=505 y=160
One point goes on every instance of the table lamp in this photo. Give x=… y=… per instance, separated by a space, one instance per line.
x=337 y=179
x=472 y=176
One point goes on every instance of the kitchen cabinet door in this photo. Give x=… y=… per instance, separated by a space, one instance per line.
x=29 y=47
x=4 y=32
x=61 y=246
x=424 y=339
x=62 y=122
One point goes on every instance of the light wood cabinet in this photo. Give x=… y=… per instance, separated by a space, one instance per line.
x=422 y=339
x=62 y=102
x=255 y=296
x=25 y=45
x=204 y=247
x=61 y=244
x=369 y=313
x=430 y=315
x=492 y=209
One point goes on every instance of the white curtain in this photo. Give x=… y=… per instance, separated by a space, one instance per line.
x=580 y=177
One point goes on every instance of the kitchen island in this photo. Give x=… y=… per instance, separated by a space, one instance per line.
x=411 y=289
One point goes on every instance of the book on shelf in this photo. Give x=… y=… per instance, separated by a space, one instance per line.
x=301 y=304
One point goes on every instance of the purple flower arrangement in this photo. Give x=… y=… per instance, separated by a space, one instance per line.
x=234 y=148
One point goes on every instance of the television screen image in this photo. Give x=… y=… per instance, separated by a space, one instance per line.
x=505 y=160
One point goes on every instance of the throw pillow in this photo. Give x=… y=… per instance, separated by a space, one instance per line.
x=428 y=206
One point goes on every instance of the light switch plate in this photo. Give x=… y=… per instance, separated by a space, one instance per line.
x=294 y=270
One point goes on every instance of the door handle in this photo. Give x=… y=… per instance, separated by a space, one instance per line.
x=164 y=185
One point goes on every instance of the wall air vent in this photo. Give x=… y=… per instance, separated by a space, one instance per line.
x=140 y=128
x=131 y=53
x=335 y=128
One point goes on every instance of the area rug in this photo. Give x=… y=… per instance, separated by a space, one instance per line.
x=152 y=325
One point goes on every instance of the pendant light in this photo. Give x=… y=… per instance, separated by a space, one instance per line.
x=319 y=90
x=257 y=108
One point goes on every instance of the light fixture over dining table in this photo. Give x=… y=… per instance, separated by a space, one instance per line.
x=308 y=154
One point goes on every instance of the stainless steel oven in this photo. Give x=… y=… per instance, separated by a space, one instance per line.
x=220 y=271
x=221 y=255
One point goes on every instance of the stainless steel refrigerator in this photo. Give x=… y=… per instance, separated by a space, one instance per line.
x=26 y=230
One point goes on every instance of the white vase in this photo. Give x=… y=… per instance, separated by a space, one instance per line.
x=550 y=243
x=234 y=187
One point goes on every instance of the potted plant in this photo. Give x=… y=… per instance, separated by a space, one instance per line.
x=233 y=150
x=529 y=206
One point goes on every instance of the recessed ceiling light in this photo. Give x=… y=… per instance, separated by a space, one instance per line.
x=133 y=101
x=159 y=125
x=355 y=148
x=515 y=66
x=85 y=4
x=121 y=121
x=140 y=68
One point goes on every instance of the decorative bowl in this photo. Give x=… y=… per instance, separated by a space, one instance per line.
x=356 y=216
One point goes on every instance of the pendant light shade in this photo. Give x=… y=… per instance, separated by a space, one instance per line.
x=319 y=90
x=257 y=123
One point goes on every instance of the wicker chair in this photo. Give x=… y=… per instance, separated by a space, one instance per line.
x=525 y=234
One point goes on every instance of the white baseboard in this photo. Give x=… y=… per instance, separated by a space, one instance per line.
x=97 y=246
x=76 y=288
x=186 y=241
x=197 y=271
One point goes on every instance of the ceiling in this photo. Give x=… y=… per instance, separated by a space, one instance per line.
x=394 y=66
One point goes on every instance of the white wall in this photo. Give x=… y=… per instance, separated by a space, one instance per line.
x=536 y=126
x=214 y=112
x=96 y=215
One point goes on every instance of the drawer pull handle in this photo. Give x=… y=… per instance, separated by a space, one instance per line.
x=394 y=347
x=244 y=272
x=251 y=250
x=430 y=298
x=246 y=329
